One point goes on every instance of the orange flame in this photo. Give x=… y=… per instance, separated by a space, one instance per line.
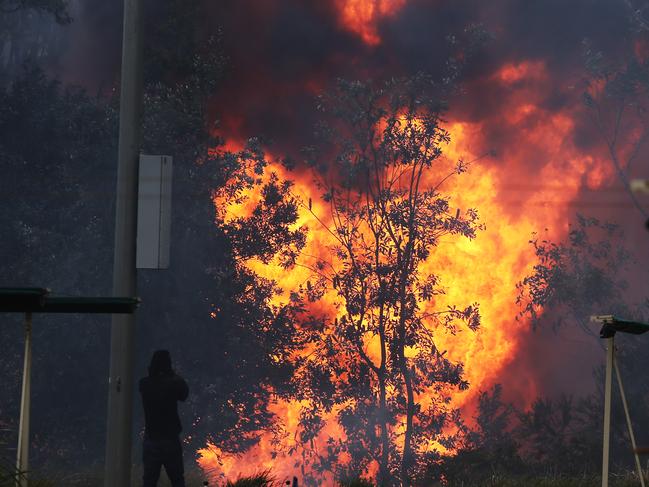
x=361 y=16
x=485 y=269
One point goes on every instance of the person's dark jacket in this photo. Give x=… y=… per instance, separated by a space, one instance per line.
x=161 y=391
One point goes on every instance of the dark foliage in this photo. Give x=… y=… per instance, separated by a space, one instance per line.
x=490 y=448
x=57 y=154
x=53 y=141
x=264 y=479
x=57 y=8
x=615 y=97
x=584 y=276
x=578 y=278
x=558 y=441
x=31 y=33
x=376 y=148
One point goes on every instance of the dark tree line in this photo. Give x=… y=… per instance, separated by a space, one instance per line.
x=58 y=159
x=561 y=437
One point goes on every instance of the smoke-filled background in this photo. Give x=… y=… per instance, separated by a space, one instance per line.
x=548 y=101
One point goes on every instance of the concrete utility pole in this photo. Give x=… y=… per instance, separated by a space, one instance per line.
x=122 y=352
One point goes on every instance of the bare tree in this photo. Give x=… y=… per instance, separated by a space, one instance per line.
x=617 y=98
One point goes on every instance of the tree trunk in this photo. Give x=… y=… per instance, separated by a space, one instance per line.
x=407 y=454
x=384 y=477
x=384 y=467
x=407 y=457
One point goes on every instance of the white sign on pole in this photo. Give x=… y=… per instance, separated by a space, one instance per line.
x=639 y=185
x=154 y=212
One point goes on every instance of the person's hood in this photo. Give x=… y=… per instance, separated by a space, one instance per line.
x=160 y=363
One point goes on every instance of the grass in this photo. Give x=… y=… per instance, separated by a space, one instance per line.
x=626 y=480
x=356 y=483
x=194 y=477
x=90 y=478
x=9 y=475
x=263 y=479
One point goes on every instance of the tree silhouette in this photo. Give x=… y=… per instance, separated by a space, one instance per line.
x=377 y=160
x=489 y=448
x=588 y=274
x=58 y=153
x=615 y=97
x=57 y=8
x=578 y=278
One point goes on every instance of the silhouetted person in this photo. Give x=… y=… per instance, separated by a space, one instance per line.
x=161 y=391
